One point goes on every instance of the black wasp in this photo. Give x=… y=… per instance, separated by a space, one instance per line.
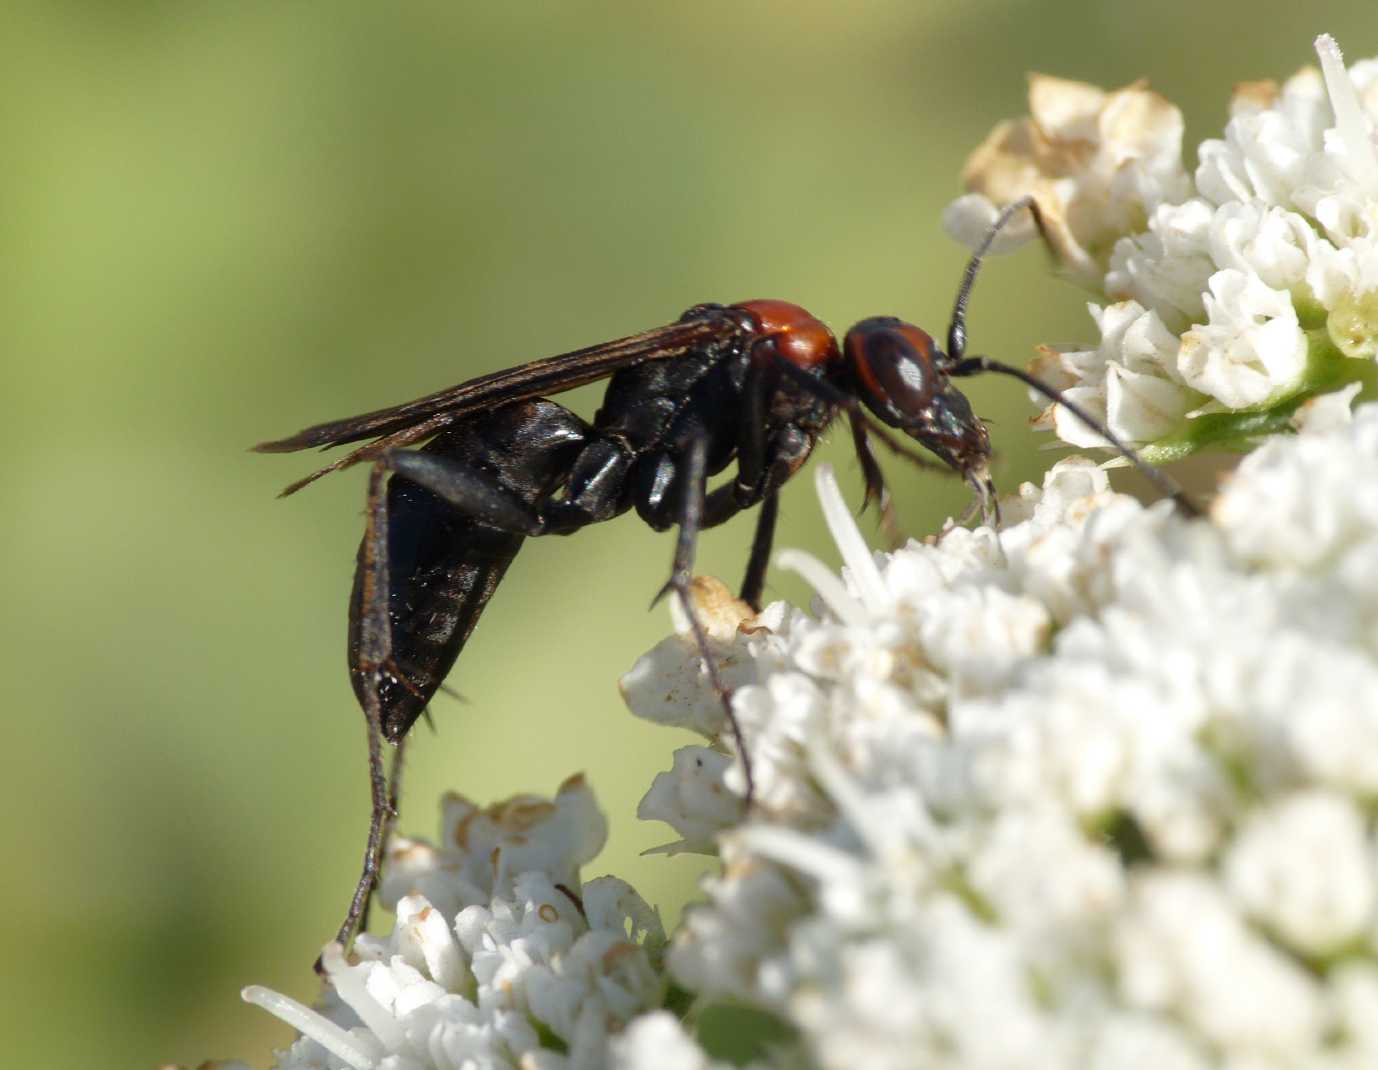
x=756 y=383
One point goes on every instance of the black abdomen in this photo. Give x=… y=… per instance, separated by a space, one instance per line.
x=443 y=566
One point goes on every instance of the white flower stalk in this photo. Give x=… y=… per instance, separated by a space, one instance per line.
x=1096 y=791
x=1227 y=297
x=500 y=957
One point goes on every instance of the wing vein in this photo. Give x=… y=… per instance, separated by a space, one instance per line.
x=415 y=421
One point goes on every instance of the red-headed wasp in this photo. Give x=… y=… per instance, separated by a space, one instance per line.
x=756 y=383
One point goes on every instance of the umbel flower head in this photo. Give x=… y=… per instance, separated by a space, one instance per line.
x=500 y=956
x=1096 y=790
x=1093 y=791
x=1224 y=297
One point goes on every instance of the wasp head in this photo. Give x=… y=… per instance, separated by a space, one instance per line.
x=897 y=371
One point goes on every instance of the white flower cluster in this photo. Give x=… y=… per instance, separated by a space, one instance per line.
x=500 y=959
x=1234 y=293
x=1097 y=791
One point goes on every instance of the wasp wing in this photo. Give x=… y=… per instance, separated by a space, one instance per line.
x=414 y=421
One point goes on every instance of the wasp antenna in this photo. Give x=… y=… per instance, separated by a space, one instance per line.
x=957 y=329
x=1160 y=479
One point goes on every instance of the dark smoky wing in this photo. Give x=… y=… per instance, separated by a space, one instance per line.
x=539 y=378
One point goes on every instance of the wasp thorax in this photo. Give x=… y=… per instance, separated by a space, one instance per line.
x=800 y=337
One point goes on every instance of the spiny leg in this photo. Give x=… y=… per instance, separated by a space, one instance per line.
x=754 y=582
x=390 y=823
x=983 y=496
x=488 y=516
x=695 y=482
x=762 y=383
x=854 y=408
x=375 y=651
x=875 y=482
x=466 y=488
x=879 y=432
x=875 y=429
x=461 y=486
x=763 y=465
x=378 y=823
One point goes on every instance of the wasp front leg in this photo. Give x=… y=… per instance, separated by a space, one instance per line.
x=876 y=490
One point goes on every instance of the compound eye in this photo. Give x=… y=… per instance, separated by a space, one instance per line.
x=894 y=366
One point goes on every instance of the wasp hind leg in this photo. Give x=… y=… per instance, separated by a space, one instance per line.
x=490 y=510
x=694 y=480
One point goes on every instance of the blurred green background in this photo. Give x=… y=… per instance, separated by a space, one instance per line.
x=221 y=222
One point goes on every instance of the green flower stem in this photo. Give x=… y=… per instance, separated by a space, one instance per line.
x=1327 y=369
